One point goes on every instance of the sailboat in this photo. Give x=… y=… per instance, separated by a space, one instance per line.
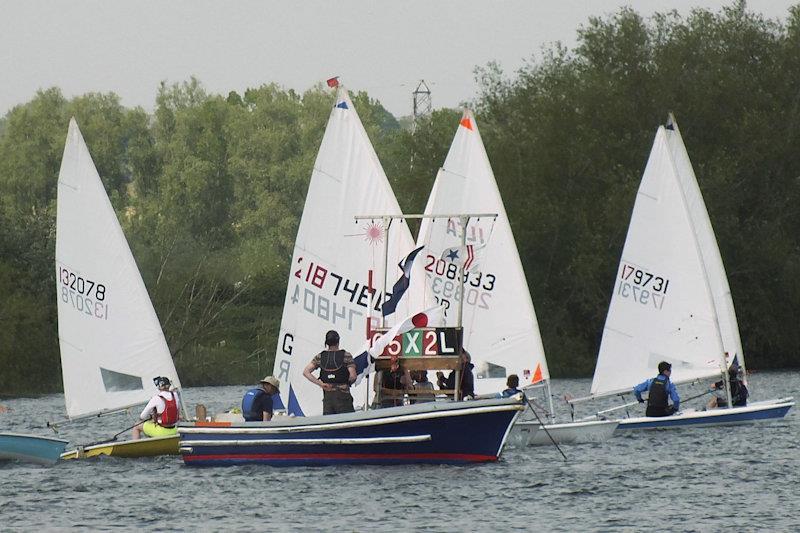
x=331 y=282
x=501 y=331
x=111 y=341
x=330 y=287
x=31 y=448
x=671 y=299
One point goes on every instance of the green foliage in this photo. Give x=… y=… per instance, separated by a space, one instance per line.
x=209 y=189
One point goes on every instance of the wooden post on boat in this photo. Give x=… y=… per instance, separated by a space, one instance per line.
x=440 y=362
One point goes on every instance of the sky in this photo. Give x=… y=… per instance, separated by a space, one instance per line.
x=382 y=47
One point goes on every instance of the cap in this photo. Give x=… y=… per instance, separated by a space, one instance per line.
x=161 y=381
x=331 y=338
x=272 y=380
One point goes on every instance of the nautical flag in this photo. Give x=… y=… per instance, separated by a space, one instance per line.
x=400 y=287
x=333 y=82
x=463 y=255
x=365 y=361
x=537 y=374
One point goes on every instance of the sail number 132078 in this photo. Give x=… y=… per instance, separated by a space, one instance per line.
x=84 y=295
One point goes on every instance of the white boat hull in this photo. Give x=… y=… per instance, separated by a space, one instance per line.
x=766 y=410
x=531 y=433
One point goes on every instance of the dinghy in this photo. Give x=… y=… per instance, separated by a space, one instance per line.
x=671 y=299
x=30 y=448
x=330 y=288
x=329 y=279
x=111 y=341
x=501 y=331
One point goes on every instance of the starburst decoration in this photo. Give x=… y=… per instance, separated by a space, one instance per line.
x=373 y=233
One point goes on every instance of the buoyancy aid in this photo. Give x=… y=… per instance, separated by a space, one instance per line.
x=248 y=401
x=657 y=395
x=332 y=368
x=169 y=417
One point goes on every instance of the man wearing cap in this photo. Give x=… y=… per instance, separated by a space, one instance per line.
x=659 y=389
x=257 y=402
x=337 y=372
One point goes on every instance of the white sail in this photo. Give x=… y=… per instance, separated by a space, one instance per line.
x=500 y=327
x=661 y=307
x=111 y=341
x=717 y=278
x=328 y=279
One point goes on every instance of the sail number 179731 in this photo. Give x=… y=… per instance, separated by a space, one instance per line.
x=641 y=286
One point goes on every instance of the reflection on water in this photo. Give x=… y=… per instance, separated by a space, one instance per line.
x=743 y=477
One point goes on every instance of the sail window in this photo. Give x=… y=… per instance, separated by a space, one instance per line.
x=489 y=370
x=117 y=381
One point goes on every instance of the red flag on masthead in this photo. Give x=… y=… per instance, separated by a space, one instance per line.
x=333 y=82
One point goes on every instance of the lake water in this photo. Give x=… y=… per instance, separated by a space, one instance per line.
x=742 y=478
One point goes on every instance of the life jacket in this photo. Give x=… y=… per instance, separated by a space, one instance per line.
x=169 y=417
x=739 y=393
x=657 y=396
x=248 y=401
x=332 y=369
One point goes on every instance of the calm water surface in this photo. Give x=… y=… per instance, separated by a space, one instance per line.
x=744 y=478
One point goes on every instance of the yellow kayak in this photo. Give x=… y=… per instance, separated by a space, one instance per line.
x=128 y=448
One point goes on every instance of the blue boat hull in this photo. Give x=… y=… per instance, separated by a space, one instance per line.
x=713 y=417
x=437 y=433
x=30 y=448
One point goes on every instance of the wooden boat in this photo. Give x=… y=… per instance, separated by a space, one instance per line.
x=435 y=432
x=671 y=298
x=111 y=341
x=30 y=448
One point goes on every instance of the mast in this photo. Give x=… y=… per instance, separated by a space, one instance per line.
x=669 y=127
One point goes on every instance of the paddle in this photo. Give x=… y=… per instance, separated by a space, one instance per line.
x=543 y=427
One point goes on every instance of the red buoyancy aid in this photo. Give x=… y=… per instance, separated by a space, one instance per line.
x=169 y=417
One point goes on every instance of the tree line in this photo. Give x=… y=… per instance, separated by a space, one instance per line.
x=209 y=188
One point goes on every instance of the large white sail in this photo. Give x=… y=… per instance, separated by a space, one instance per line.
x=111 y=341
x=328 y=279
x=717 y=278
x=500 y=327
x=662 y=307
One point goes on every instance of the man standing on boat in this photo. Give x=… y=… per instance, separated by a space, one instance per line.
x=337 y=372
x=161 y=413
x=257 y=403
x=659 y=389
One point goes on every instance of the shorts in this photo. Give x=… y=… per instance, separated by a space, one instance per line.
x=337 y=401
x=151 y=429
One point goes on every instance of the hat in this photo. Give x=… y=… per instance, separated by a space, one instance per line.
x=663 y=365
x=272 y=380
x=331 y=338
x=161 y=381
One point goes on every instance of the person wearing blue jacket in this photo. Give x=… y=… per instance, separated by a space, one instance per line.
x=659 y=389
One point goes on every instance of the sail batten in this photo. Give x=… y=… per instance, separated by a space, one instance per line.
x=110 y=338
